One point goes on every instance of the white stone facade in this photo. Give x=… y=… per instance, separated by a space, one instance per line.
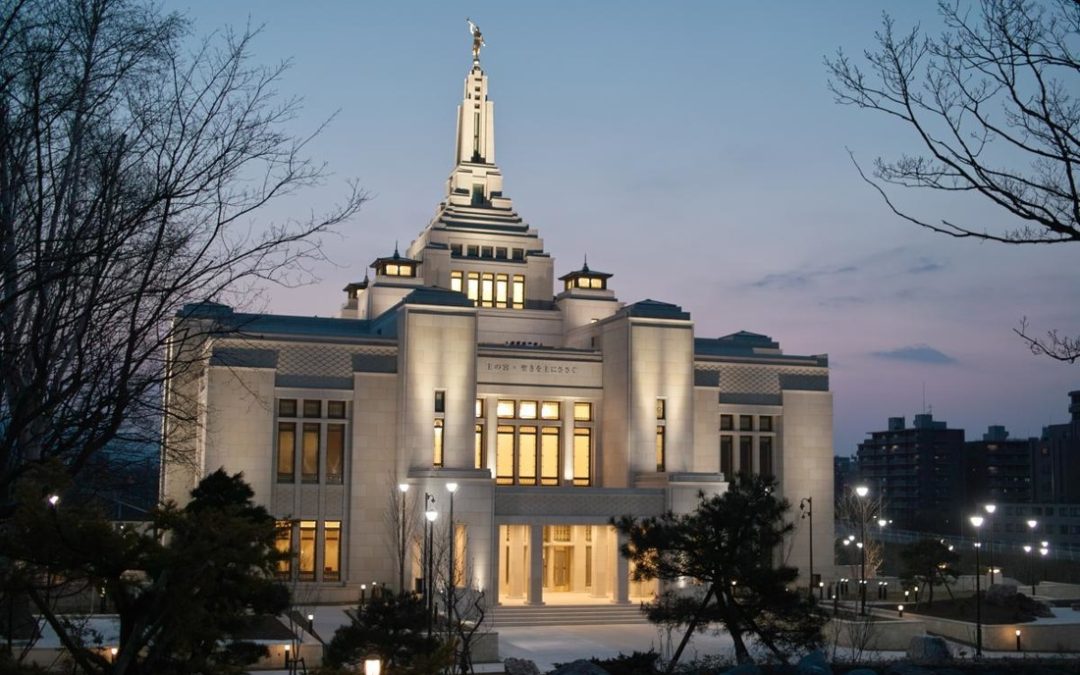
x=557 y=410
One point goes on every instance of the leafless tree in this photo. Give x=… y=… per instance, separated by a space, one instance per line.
x=132 y=172
x=993 y=105
x=135 y=165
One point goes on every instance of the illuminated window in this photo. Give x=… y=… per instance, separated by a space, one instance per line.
x=661 y=409
x=332 y=550
x=527 y=410
x=473 y=287
x=727 y=452
x=765 y=423
x=487 y=289
x=312 y=408
x=549 y=410
x=335 y=453
x=746 y=422
x=286 y=451
x=505 y=408
x=504 y=456
x=309 y=461
x=549 y=456
x=307 y=550
x=519 y=291
x=440 y=401
x=765 y=456
x=501 y=289
x=582 y=455
x=526 y=472
x=438 y=450
x=478 y=449
x=661 y=447
x=287 y=407
x=583 y=412
x=479 y=408
x=335 y=409
x=746 y=454
x=283 y=545
x=727 y=423
x=456 y=279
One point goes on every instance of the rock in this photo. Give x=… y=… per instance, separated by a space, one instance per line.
x=579 y=667
x=904 y=668
x=814 y=663
x=1001 y=594
x=514 y=666
x=744 y=669
x=928 y=649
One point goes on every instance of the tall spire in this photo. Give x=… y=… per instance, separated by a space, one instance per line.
x=476 y=119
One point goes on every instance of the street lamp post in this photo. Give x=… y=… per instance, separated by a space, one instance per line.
x=1043 y=550
x=808 y=503
x=450 y=580
x=430 y=514
x=1032 y=524
x=403 y=488
x=990 y=508
x=861 y=491
x=976 y=522
x=1030 y=567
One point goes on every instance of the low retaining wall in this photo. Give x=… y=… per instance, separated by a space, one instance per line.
x=894 y=635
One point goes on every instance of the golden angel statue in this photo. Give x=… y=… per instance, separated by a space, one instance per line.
x=477 y=40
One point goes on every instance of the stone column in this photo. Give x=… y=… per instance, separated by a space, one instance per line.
x=622 y=572
x=536 y=565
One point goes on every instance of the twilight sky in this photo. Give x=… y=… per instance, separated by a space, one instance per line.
x=693 y=150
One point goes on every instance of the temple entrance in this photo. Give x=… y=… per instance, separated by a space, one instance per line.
x=560 y=570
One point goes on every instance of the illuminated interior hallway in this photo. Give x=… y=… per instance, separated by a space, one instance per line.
x=573 y=564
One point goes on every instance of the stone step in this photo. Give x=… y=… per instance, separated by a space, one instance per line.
x=566 y=615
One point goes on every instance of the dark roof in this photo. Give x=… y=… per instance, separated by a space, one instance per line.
x=584 y=272
x=654 y=309
x=743 y=342
x=396 y=258
x=432 y=295
x=234 y=322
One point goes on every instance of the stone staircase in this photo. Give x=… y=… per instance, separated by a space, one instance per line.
x=509 y=616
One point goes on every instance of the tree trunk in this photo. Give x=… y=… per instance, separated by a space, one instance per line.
x=690 y=630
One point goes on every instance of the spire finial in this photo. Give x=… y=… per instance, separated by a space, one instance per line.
x=586 y=267
x=477 y=40
x=396 y=254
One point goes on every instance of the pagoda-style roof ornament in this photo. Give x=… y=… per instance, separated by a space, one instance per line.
x=585 y=278
x=396 y=265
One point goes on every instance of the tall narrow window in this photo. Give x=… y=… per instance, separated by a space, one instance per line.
x=473 y=288
x=661 y=409
x=479 y=408
x=286 y=459
x=437 y=459
x=765 y=456
x=661 y=447
x=309 y=462
x=727 y=452
x=519 y=291
x=582 y=455
x=746 y=454
x=440 y=401
x=478 y=449
x=456 y=279
x=332 y=550
x=549 y=456
x=335 y=453
x=307 y=550
x=504 y=456
x=526 y=472
x=501 y=294
x=487 y=289
x=283 y=545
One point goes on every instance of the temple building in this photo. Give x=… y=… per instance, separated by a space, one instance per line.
x=550 y=404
